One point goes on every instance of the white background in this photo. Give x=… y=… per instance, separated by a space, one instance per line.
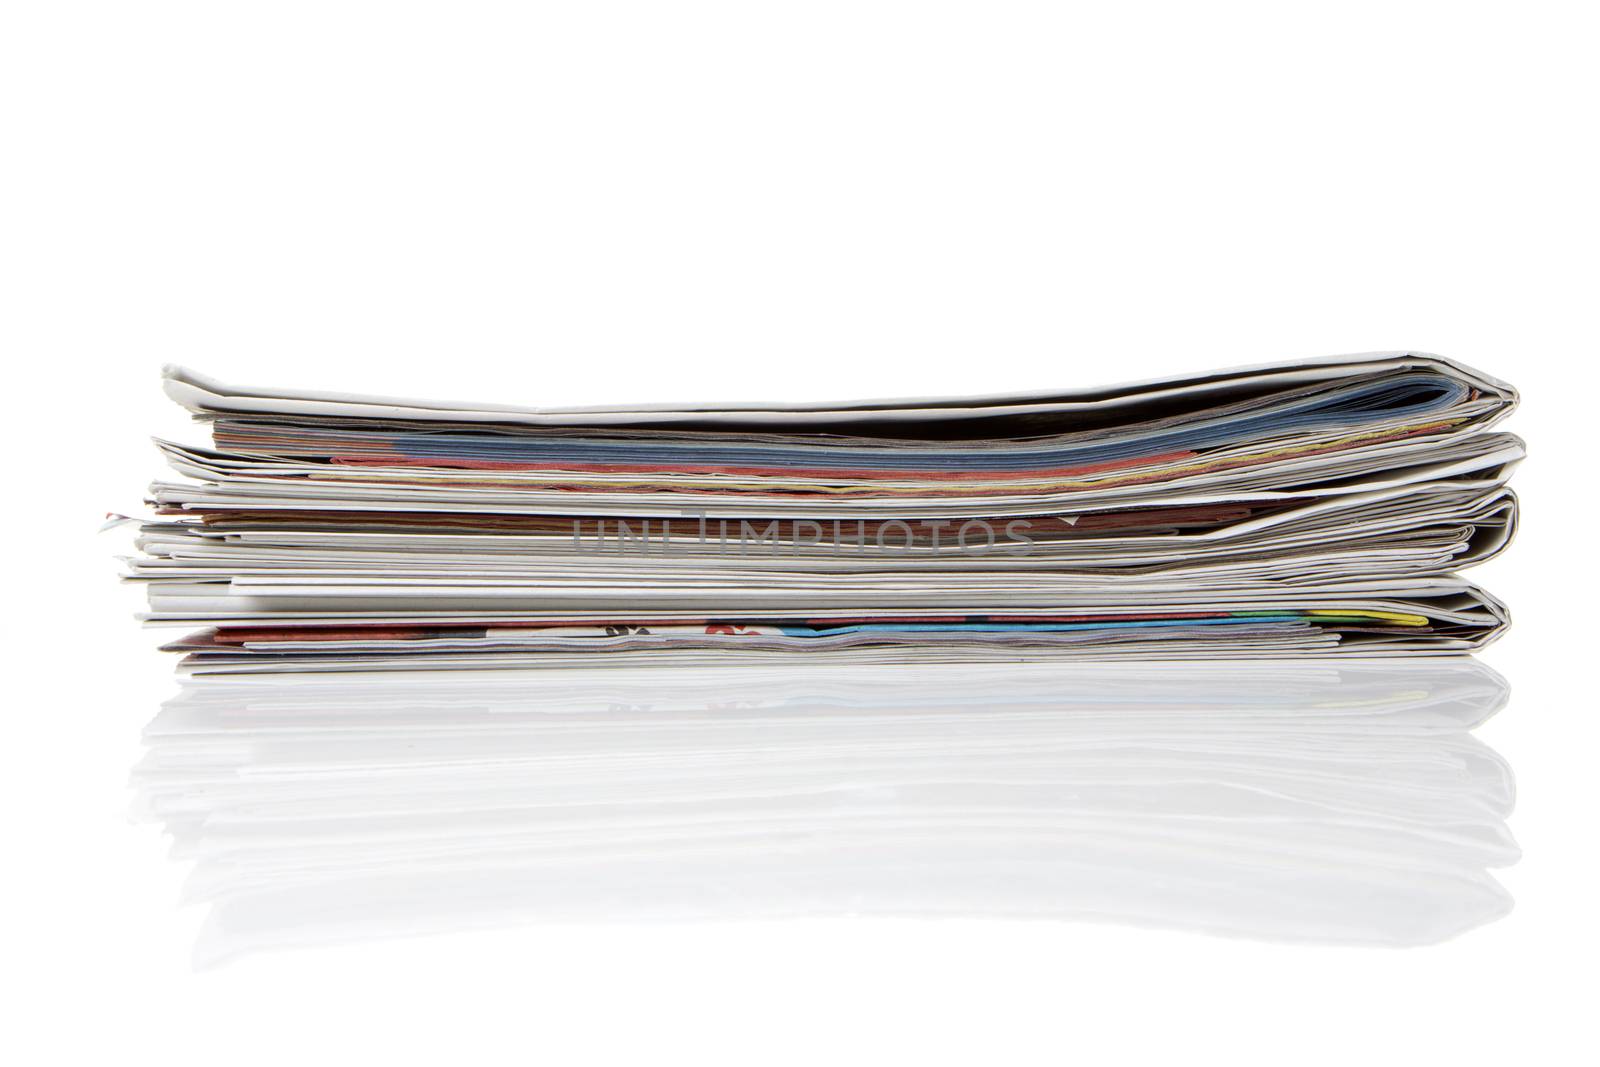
x=580 y=202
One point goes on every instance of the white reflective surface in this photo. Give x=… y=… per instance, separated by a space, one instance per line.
x=1328 y=804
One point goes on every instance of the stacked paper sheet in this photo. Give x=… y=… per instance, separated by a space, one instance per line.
x=1298 y=509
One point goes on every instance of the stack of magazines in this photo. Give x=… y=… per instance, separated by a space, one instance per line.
x=1301 y=509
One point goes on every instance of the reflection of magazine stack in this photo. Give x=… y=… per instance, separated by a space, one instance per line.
x=1293 y=510
x=1288 y=801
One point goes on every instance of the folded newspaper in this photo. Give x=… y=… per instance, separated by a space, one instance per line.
x=1305 y=508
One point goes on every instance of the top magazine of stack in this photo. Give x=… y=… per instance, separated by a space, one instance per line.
x=1303 y=508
